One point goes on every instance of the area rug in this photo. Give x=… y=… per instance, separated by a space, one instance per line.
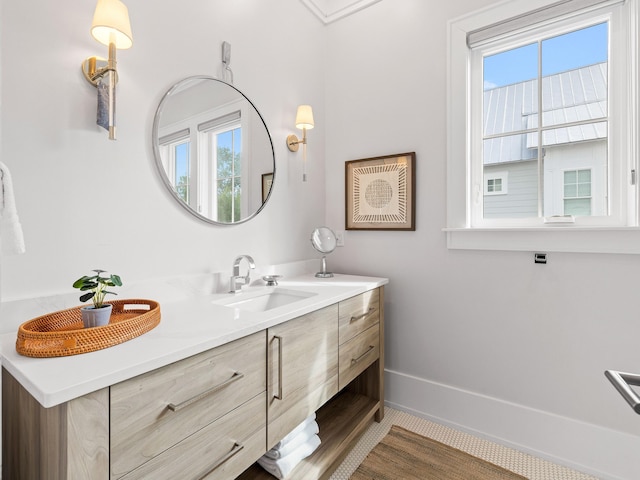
x=405 y=455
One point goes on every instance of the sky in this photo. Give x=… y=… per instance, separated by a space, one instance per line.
x=564 y=52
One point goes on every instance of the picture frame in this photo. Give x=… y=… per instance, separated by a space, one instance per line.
x=267 y=181
x=380 y=193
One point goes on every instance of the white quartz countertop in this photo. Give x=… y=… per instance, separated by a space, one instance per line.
x=188 y=326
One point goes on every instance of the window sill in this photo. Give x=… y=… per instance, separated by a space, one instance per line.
x=622 y=240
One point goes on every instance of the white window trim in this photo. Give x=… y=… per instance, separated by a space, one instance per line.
x=524 y=236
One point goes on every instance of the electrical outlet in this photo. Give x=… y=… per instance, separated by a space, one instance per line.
x=340 y=238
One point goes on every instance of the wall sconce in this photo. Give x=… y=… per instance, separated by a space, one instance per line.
x=110 y=27
x=304 y=121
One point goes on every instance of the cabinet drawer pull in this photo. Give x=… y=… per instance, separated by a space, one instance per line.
x=364 y=315
x=356 y=360
x=235 y=377
x=236 y=448
x=279 y=395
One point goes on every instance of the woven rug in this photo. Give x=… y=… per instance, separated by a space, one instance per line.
x=408 y=456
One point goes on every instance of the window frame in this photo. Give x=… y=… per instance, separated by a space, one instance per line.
x=463 y=229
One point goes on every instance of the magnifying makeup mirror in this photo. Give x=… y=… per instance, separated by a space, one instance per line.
x=324 y=241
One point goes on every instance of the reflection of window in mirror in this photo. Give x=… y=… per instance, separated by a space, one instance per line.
x=222 y=157
x=206 y=160
x=175 y=151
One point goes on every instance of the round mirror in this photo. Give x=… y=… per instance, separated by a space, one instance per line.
x=213 y=150
x=324 y=241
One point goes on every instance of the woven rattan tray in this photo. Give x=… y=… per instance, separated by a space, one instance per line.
x=61 y=333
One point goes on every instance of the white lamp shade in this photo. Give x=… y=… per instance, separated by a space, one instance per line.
x=111 y=24
x=304 y=117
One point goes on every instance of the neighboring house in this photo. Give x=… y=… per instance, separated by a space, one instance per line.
x=574 y=157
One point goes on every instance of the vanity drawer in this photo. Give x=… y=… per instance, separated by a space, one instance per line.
x=358 y=313
x=357 y=354
x=154 y=411
x=221 y=450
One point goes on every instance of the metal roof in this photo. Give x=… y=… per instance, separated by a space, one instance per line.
x=571 y=96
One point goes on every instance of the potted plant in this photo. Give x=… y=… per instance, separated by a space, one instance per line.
x=99 y=313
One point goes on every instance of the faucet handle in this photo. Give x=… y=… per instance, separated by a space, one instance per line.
x=272 y=280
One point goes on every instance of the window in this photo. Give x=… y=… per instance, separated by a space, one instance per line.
x=577 y=192
x=175 y=153
x=545 y=98
x=495 y=183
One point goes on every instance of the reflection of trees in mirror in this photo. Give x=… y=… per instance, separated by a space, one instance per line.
x=229 y=188
x=182 y=188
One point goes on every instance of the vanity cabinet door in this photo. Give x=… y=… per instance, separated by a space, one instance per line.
x=302 y=369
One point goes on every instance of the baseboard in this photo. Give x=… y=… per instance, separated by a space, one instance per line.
x=601 y=452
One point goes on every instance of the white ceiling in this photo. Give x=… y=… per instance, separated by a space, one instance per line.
x=331 y=10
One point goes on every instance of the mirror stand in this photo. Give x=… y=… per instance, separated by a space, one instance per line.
x=323 y=269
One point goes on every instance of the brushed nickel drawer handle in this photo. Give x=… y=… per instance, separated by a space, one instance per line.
x=279 y=395
x=236 y=448
x=356 y=360
x=235 y=377
x=364 y=315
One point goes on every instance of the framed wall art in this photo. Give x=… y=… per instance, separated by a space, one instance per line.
x=267 y=180
x=380 y=193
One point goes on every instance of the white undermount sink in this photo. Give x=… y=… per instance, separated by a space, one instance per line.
x=264 y=300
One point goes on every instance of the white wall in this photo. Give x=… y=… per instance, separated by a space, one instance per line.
x=485 y=340
x=86 y=202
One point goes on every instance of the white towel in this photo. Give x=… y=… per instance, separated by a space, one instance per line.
x=282 y=467
x=11 y=237
x=296 y=431
x=285 y=449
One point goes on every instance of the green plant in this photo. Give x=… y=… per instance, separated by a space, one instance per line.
x=97 y=285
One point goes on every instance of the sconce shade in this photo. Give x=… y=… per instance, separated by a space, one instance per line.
x=111 y=23
x=304 y=117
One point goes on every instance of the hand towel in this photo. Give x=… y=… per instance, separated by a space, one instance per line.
x=282 y=467
x=296 y=431
x=11 y=236
x=283 y=450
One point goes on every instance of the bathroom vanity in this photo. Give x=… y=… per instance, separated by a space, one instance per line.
x=220 y=381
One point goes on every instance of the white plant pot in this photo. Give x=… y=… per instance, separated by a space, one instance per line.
x=96 y=317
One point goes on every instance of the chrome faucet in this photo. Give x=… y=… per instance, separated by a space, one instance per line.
x=237 y=281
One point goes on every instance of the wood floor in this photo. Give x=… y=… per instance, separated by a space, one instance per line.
x=527 y=465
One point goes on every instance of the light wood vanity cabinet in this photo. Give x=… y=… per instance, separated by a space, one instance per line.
x=214 y=414
x=303 y=369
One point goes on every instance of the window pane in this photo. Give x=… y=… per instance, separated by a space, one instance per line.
x=574 y=71
x=510 y=89
x=237 y=151
x=181 y=180
x=584 y=176
x=577 y=207
x=224 y=157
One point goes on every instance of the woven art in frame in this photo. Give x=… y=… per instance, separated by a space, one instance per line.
x=380 y=193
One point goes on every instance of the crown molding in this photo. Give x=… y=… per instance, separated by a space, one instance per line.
x=329 y=11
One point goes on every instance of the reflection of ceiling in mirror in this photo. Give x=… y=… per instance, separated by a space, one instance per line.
x=331 y=10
